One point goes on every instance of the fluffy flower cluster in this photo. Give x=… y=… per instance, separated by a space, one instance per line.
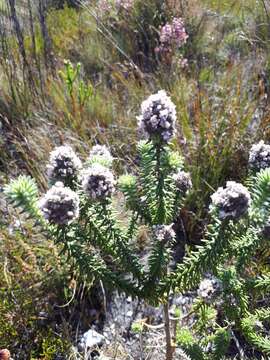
x=64 y=164
x=209 y=288
x=182 y=181
x=172 y=35
x=232 y=201
x=182 y=62
x=98 y=182
x=106 y=6
x=100 y=153
x=164 y=233
x=124 y=4
x=158 y=117
x=259 y=156
x=60 y=205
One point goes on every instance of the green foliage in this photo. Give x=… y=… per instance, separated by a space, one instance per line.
x=71 y=76
x=23 y=193
x=137 y=327
x=28 y=325
x=262 y=283
x=184 y=337
x=252 y=327
x=207 y=256
x=151 y=197
x=206 y=317
x=221 y=343
x=186 y=341
x=52 y=347
x=242 y=240
x=261 y=194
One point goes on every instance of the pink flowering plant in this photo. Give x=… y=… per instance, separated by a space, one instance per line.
x=110 y=6
x=172 y=37
x=78 y=211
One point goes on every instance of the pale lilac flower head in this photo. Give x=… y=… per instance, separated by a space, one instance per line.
x=158 y=117
x=105 y=6
x=173 y=34
x=182 y=181
x=124 y=4
x=182 y=62
x=64 y=164
x=232 y=201
x=166 y=34
x=60 y=205
x=164 y=233
x=98 y=182
x=209 y=288
x=259 y=156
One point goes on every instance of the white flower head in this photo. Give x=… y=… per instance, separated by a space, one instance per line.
x=259 y=156
x=182 y=181
x=98 y=182
x=100 y=154
x=164 y=233
x=232 y=201
x=60 y=205
x=64 y=164
x=124 y=4
x=209 y=288
x=158 y=117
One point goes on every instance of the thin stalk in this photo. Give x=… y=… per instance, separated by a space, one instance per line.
x=169 y=348
x=160 y=211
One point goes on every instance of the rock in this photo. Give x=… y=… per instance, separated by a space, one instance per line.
x=91 y=339
x=129 y=313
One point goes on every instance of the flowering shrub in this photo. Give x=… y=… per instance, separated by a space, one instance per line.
x=124 y=4
x=84 y=222
x=172 y=37
x=164 y=233
x=60 y=205
x=64 y=165
x=259 y=157
x=97 y=182
x=182 y=181
x=107 y=6
x=209 y=288
x=232 y=201
x=157 y=119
